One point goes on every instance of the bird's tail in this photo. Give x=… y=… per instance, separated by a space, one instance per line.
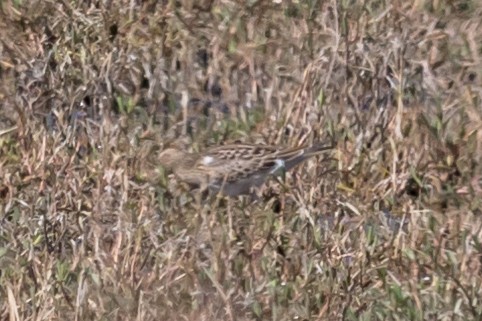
x=317 y=149
x=300 y=154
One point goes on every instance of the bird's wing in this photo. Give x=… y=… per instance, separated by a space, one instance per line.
x=234 y=162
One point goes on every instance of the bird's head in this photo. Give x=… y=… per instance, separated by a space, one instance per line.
x=171 y=158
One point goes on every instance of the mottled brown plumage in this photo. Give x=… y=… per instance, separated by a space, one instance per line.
x=235 y=169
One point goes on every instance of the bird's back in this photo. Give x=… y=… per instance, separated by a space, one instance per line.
x=244 y=162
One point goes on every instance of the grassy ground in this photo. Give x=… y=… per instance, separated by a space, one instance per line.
x=389 y=228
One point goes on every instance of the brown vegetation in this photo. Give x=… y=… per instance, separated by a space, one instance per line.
x=92 y=228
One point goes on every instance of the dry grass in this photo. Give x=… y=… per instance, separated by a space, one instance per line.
x=389 y=229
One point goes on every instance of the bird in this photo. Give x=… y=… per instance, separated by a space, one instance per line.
x=235 y=169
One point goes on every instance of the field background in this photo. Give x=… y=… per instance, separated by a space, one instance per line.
x=387 y=227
